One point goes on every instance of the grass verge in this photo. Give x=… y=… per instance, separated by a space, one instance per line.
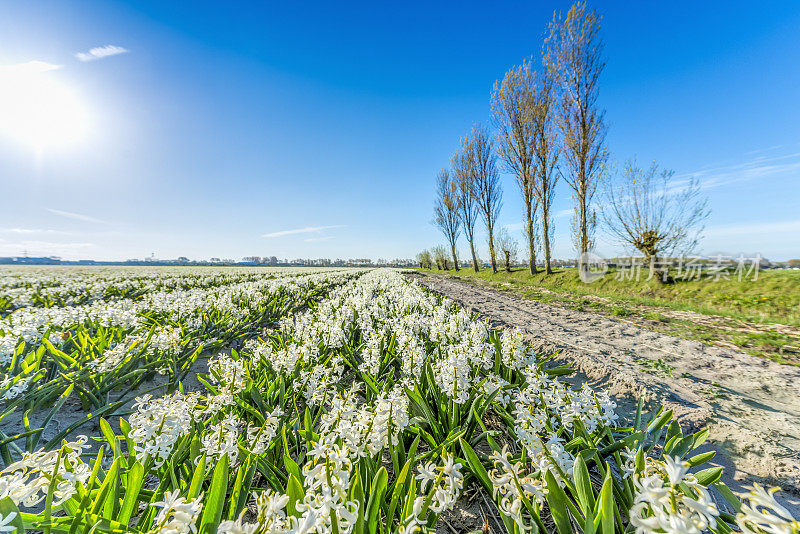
x=760 y=317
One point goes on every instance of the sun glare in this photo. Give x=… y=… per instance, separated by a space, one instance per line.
x=37 y=109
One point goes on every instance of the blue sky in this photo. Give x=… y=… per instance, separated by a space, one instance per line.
x=310 y=129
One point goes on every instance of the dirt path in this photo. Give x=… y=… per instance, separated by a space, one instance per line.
x=751 y=404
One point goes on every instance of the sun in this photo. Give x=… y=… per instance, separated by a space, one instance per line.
x=39 y=110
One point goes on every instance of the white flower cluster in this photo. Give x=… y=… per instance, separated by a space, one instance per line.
x=260 y=437
x=115 y=355
x=176 y=514
x=367 y=429
x=270 y=518
x=13 y=387
x=762 y=514
x=167 y=340
x=327 y=480
x=440 y=488
x=26 y=482
x=157 y=424
x=319 y=379
x=221 y=439
x=230 y=377
x=514 y=486
x=660 y=506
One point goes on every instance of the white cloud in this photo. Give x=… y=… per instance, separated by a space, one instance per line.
x=100 y=52
x=758 y=167
x=306 y=230
x=30 y=67
x=76 y=216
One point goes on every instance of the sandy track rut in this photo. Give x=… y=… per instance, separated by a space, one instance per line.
x=751 y=404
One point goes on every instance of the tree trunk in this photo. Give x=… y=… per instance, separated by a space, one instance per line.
x=583 y=231
x=474 y=257
x=508 y=261
x=492 y=251
x=655 y=272
x=531 y=243
x=546 y=232
x=455 y=259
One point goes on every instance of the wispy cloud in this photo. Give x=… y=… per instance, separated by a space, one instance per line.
x=756 y=168
x=76 y=216
x=100 y=52
x=306 y=230
x=30 y=67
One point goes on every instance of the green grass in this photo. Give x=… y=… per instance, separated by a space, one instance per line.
x=732 y=309
x=774 y=297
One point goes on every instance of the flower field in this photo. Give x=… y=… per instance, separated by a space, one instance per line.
x=332 y=401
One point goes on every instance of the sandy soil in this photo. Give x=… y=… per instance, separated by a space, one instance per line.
x=751 y=404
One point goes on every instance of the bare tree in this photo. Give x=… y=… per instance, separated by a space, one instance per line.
x=513 y=116
x=647 y=210
x=468 y=205
x=508 y=247
x=485 y=184
x=446 y=210
x=546 y=154
x=573 y=53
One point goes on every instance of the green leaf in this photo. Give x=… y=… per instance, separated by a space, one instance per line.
x=132 y=488
x=708 y=476
x=7 y=507
x=295 y=492
x=682 y=446
x=606 y=504
x=660 y=422
x=399 y=487
x=699 y=437
x=729 y=496
x=291 y=467
x=559 y=371
x=408 y=508
x=377 y=491
x=583 y=486
x=673 y=431
x=701 y=458
x=215 y=500
x=357 y=496
x=197 y=478
x=476 y=467
x=557 y=500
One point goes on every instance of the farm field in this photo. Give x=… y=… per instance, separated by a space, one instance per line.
x=759 y=317
x=264 y=400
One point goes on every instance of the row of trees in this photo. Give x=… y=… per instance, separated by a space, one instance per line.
x=548 y=125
